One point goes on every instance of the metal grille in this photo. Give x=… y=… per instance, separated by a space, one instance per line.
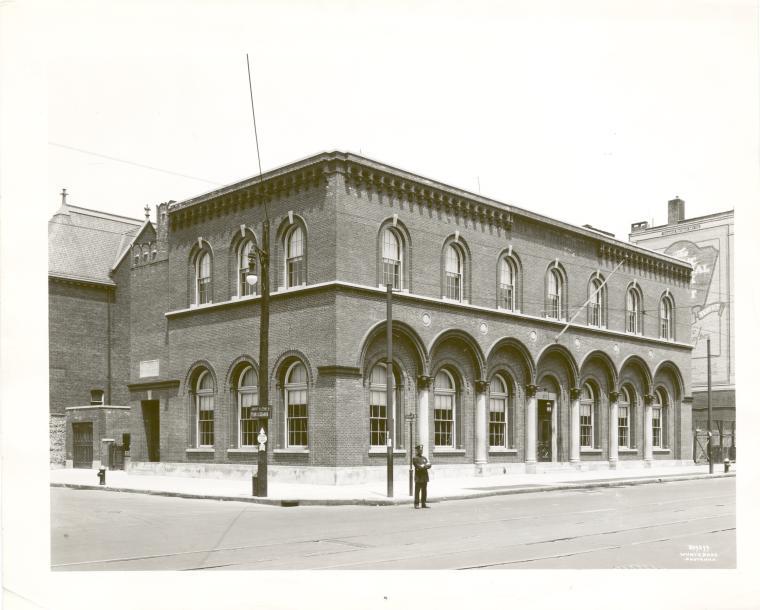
x=82 y=433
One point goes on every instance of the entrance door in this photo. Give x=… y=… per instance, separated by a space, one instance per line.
x=151 y=421
x=82 y=445
x=544 y=441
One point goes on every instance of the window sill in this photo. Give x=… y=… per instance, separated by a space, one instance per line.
x=621 y=450
x=660 y=450
x=296 y=450
x=502 y=450
x=384 y=451
x=591 y=450
x=447 y=451
x=243 y=450
x=199 y=450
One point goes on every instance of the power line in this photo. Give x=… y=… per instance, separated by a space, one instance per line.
x=134 y=163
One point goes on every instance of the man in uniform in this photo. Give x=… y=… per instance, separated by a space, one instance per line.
x=421 y=467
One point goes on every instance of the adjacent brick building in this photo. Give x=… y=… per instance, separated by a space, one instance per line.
x=519 y=342
x=707 y=243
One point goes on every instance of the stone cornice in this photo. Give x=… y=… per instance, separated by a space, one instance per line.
x=364 y=173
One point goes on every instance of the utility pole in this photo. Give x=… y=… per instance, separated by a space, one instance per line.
x=389 y=386
x=709 y=409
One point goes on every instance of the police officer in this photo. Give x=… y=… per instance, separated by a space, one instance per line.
x=421 y=467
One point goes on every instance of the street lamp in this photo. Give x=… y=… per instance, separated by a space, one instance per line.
x=263 y=411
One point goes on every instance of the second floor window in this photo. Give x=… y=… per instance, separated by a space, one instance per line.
x=596 y=305
x=507 y=289
x=453 y=273
x=392 y=261
x=666 y=318
x=633 y=311
x=203 y=279
x=554 y=295
x=295 y=261
x=244 y=288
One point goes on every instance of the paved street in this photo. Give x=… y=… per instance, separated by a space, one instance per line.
x=685 y=524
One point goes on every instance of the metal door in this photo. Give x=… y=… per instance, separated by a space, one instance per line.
x=82 y=433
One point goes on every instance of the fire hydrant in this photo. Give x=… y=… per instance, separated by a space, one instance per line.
x=726 y=465
x=102 y=476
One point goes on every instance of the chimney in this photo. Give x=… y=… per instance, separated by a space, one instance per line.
x=675 y=210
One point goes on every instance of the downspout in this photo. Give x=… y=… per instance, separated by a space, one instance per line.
x=108 y=348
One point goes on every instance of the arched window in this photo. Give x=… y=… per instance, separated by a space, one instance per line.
x=454 y=273
x=393 y=263
x=507 y=288
x=445 y=410
x=203 y=278
x=555 y=297
x=136 y=255
x=378 y=410
x=666 y=318
x=295 y=258
x=588 y=416
x=633 y=311
x=146 y=253
x=153 y=251
x=297 y=406
x=597 y=303
x=204 y=409
x=659 y=419
x=243 y=265
x=627 y=418
x=500 y=424
x=96 y=397
x=248 y=397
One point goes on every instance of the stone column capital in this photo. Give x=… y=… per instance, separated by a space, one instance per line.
x=648 y=399
x=531 y=390
x=575 y=393
x=614 y=396
x=481 y=386
x=423 y=382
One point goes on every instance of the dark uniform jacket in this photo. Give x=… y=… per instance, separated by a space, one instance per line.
x=421 y=467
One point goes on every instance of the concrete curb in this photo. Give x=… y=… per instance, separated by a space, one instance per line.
x=401 y=501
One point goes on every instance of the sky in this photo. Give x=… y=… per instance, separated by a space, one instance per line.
x=587 y=111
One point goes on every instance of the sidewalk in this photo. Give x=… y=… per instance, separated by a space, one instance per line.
x=374 y=494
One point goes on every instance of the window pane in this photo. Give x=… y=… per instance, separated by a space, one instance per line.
x=453 y=261
x=444 y=420
x=295 y=243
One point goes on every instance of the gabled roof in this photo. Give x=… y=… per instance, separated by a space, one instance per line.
x=84 y=244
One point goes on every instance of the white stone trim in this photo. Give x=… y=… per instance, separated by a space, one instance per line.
x=199 y=450
x=502 y=450
x=380 y=451
x=98 y=407
x=590 y=450
x=251 y=449
x=291 y=450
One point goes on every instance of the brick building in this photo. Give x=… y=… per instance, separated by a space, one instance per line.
x=519 y=342
x=707 y=243
x=88 y=337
